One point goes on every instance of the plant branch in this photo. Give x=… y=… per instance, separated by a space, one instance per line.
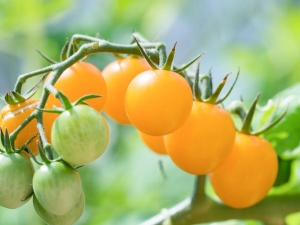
x=272 y=210
x=201 y=209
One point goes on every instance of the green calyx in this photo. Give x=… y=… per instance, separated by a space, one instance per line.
x=203 y=87
x=8 y=146
x=165 y=61
x=14 y=97
x=67 y=104
x=238 y=108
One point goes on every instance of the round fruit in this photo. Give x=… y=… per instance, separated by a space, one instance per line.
x=204 y=141
x=66 y=219
x=12 y=116
x=155 y=143
x=80 y=135
x=15 y=179
x=57 y=186
x=247 y=174
x=158 y=102
x=80 y=79
x=118 y=75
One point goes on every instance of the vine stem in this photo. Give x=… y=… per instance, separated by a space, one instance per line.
x=199 y=208
x=94 y=45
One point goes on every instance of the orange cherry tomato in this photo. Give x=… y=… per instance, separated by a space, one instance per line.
x=118 y=75
x=80 y=79
x=204 y=141
x=155 y=143
x=158 y=102
x=247 y=174
x=12 y=116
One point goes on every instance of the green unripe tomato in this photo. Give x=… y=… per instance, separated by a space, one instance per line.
x=16 y=173
x=57 y=186
x=67 y=219
x=80 y=135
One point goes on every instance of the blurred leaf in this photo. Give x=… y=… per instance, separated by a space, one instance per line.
x=284 y=172
x=293 y=219
x=285 y=135
x=17 y=13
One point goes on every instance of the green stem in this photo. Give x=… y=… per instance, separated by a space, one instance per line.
x=23 y=78
x=271 y=211
x=206 y=85
x=161 y=48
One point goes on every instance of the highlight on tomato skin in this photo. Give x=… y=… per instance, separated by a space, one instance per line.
x=155 y=143
x=248 y=173
x=158 y=102
x=204 y=141
x=12 y=116
x=117 y=75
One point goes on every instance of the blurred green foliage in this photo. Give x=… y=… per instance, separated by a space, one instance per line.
x=126 y=186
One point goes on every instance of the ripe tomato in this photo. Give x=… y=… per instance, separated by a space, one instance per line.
x=13 y=115
x=158 y=102
x=118 y=75
x=80 y=135
x=67 y=219
x=16 y=179
x=204 y=141
x=57 y=186
x=80 y=79
x=247 y=174
x=155 y=143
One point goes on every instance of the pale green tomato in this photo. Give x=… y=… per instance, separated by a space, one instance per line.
x=80 y=135
x=16 y=173
x=57 y=187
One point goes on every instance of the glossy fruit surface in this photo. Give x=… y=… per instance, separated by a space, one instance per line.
x=204 y=141
x=66 y=219
x=12 y=116
x=80 y=79
x=155 y=143
x=118 y=75
x=158 y=102
x=248 y=174
x=80 y=135
x=15 y=179
x=57 y=186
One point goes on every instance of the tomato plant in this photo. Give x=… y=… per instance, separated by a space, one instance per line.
x=174 y=115
x=13 y=115
x=247 y=174
x=204 y=141
x=158 y=102
x=80 y=135
x=16 y=179
x=155 y=143
x=66 y=219
x=117 y=76
x=80 y=79
x=57 y=187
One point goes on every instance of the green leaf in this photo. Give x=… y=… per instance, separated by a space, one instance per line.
x=285 y=135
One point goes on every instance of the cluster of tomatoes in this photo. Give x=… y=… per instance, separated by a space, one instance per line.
x=198 y=135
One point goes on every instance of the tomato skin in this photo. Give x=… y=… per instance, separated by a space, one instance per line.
x=80 y=79
x=155 y=143
x=57 y=186
x=158 y=102
x=66 y=219
x=16 y=179
x=118 y=75
x=204 y=141
x=80 y=135
x=248 y=173
x=13 y=115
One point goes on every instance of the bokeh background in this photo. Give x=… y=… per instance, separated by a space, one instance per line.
x=126 y=185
